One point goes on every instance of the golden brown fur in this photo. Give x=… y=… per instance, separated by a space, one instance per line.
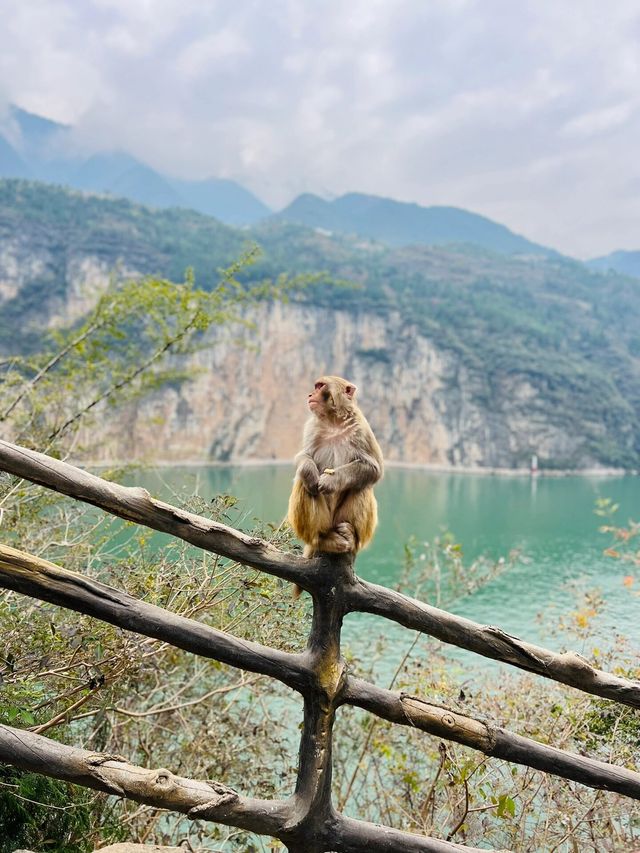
x=332 y=507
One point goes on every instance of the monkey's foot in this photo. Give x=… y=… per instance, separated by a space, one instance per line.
x=340 y=540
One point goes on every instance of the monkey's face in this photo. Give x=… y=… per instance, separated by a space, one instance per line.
x=331 y=395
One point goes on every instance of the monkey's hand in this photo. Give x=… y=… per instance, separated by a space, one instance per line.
x=328 y=482
x=308 y=474
x=311 y=488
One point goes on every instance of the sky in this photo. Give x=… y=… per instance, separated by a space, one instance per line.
x=526 y=111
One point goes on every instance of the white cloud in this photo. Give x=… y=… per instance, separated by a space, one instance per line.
x=526 y=112
x=600 y=121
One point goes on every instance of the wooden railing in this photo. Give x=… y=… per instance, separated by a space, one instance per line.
x=307 y=822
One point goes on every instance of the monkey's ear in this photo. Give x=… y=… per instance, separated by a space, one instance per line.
x=350 y=390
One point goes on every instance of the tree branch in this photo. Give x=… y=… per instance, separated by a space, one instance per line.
x=136 y=504
x=41 y=579
x=158 y=788
x=359 y=836
x=567 y=668
x=491 y=740
x=55 y=359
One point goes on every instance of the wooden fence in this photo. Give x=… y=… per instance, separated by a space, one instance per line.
x=307 y=822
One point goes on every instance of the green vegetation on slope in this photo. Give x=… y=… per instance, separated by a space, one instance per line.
x=398 y=223
x=626 y=263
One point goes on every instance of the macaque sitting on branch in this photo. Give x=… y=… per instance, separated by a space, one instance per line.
x=332 y=507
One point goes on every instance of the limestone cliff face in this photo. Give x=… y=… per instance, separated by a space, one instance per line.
x=75 y=279
x=250 y=402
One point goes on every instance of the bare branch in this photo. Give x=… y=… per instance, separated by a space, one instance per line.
x=169 y=709
x=567 y=668
x=489 y=739
x=44 y=580
x=158 y=788
x=136 y=504
x=55 y=359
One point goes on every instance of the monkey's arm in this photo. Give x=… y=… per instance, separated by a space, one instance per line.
x=358 y=474
x=307 y=472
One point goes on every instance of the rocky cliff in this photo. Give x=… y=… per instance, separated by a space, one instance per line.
x=248 y=402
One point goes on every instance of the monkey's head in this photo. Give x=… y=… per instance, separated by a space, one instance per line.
x=332 y=398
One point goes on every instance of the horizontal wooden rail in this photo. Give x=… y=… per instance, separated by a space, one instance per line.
x=490 y=739
x=160 y=788
x=567 y=668
x=204 y=800
x=48 y=582
x=136 y=504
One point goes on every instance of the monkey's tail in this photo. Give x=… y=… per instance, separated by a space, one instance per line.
x=297 y=592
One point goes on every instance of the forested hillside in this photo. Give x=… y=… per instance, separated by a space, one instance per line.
x=463 y=356
x=627 y=263
x=399 y=223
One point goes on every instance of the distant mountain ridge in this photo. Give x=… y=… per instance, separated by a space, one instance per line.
x=624 y=262
x=401 y=224
x=37 y=148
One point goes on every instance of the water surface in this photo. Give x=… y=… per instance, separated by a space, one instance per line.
x=550 y=521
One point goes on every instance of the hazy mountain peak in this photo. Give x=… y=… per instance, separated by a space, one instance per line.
x=399 y=223
x=36 y=147
x=33 y=126
x=622 y=261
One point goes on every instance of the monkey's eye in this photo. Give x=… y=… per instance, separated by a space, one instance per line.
x=319 y=385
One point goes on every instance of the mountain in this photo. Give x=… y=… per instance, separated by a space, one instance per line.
x=401 y=224
x=226 y=200
x=37 y=135
x=462 y=356
x=627 y=263
x=44 y=150
x=11 y=163
x=119 y=174
x=100 y=171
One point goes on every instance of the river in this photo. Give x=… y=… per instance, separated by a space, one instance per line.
x=549 y=521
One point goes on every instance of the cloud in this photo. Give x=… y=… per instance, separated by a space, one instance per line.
x=601 y=121
x=526 y=112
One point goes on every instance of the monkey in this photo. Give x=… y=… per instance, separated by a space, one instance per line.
x=332 y=507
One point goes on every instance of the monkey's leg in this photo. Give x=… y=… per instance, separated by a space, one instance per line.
x=359 y=511
x=340 y=539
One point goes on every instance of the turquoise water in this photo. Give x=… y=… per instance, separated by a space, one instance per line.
x=550 y=521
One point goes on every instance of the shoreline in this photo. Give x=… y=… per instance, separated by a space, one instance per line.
x=427 y=467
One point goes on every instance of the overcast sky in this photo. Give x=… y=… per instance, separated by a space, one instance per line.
x=526 y=112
